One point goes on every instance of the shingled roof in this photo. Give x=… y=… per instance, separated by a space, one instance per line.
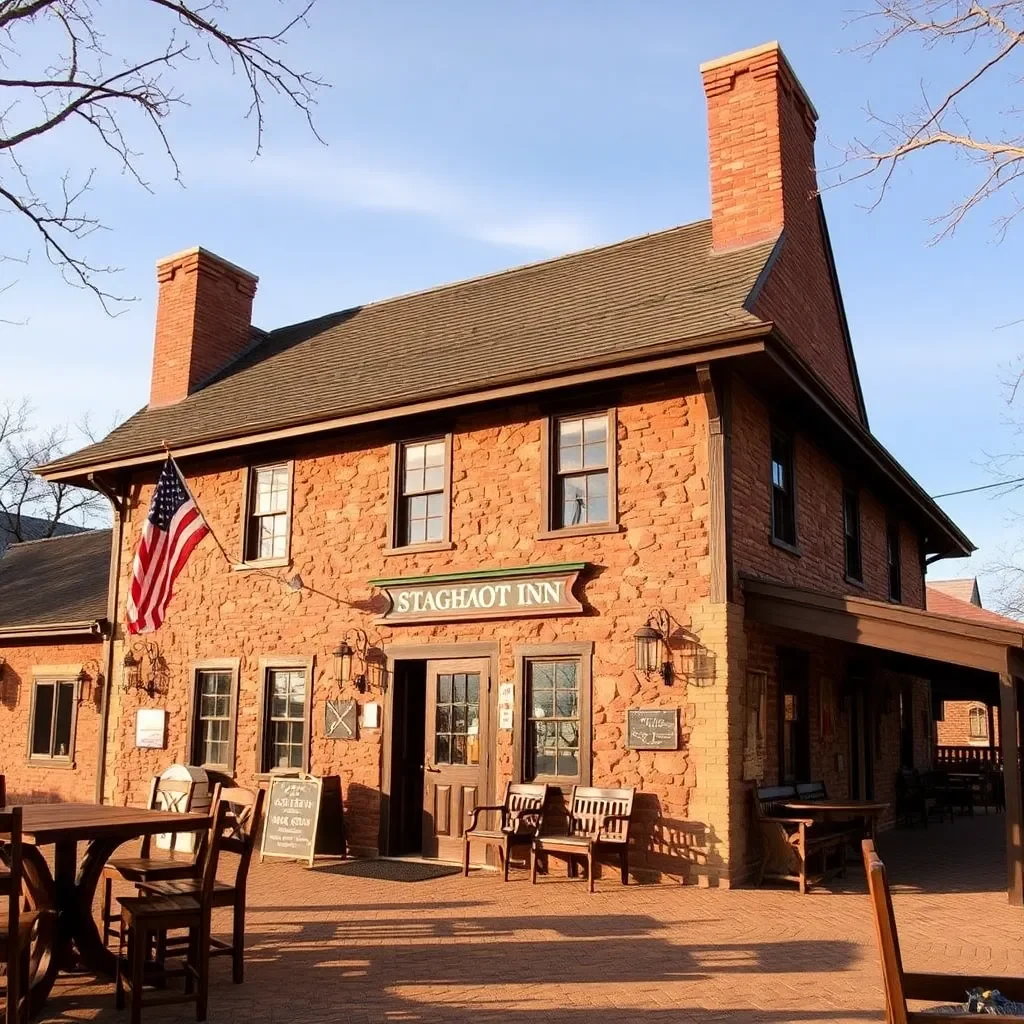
x=516 y=326
x=57 y=581
x=30 y=528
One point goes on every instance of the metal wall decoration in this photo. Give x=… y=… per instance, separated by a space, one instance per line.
x=341 y=719
x=144 y=668
x=652 y=728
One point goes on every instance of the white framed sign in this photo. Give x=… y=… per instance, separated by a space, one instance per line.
x=151 y=728
x=507 y=693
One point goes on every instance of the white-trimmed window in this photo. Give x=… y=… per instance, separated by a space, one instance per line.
x=52 y=724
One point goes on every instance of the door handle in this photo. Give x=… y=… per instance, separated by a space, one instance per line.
x=428 y=767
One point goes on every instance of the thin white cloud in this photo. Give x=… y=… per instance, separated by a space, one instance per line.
x=334 y=178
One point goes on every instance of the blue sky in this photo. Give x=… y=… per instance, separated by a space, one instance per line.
x=465 y=137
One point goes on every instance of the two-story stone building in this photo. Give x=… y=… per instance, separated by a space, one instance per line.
x=459 y=508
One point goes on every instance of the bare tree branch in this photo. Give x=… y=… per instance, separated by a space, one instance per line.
x=78 y=82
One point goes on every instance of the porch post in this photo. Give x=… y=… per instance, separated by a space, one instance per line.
x=991 y=725
x=1008 y=729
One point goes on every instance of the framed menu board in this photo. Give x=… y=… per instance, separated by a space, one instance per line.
x=292 y=815
x=652 y=728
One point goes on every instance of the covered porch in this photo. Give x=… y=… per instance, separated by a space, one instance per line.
x=853 y=685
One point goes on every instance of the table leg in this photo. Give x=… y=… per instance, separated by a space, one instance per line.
x=40 y=895
x=65 y=861
x=88 y=940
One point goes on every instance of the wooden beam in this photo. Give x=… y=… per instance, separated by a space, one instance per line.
x=716 y=399
x=1009 y=731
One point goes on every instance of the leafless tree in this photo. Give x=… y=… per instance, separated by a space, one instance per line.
x=977 y=47
x=56 y=74
x=26 y=498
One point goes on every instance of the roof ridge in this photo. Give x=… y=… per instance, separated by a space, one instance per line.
x=521 y=268
x=83 y=532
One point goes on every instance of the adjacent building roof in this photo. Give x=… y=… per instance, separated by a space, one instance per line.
x=13 y=529
x=581 y=310
x=962 y=590
x=941 y=602
x=58 y=582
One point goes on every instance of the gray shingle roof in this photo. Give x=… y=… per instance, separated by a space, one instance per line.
x=61 y=579
x=511 y=327
x=30 y=528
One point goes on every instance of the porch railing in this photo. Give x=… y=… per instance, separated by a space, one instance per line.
x=950 y=755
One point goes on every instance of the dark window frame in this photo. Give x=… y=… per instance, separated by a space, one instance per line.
x=583 y=654
x=551 y=504
x=249 y=539
x=894 y=560
x=227 y=665
x=267 y=665
x=784 y=532
x=56 y=681
x=397 y=521
x=853 y=546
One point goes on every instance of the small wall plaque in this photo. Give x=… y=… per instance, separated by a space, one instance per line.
x=371 y=716
x=340 y=719
x=507 y=693
x=151 y=728
x=505 y=717
x=652 y=728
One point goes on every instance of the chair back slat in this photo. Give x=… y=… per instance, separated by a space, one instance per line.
x=885 y=932
x=590 y=808
x=811 y=791
x=770 y=800
x=240 y=829
x=221 y=814
x=10 y=880
x=524 y=798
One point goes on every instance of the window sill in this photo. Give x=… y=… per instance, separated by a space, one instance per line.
x=782 y=545
x=584 y=530
x=262 y=563
x=417 y=549
x=50 y=763
x=854 y=582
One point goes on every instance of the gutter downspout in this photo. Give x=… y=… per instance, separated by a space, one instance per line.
x=119 y=504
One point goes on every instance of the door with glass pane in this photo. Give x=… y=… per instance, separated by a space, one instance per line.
x=455 y=754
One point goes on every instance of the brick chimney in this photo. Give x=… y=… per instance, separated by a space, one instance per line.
x=761 y=145
x=203 y=320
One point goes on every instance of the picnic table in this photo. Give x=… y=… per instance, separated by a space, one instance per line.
x=68 y=937
x=869 y=810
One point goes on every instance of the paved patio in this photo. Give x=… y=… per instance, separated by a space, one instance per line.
x=325 y=946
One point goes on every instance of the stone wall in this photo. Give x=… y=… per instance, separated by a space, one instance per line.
x=35 y=780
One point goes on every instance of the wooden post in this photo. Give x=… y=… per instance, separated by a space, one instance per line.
x=1008 y=729
x=719 y=484
x=991 y=729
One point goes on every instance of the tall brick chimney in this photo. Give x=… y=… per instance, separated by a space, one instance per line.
x=761 y=144
x=203 y=320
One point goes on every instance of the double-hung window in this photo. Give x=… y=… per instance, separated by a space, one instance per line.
x=783 y=489
x=892 y=549
x=422 y=512
x=53 y=719
x=851 y=534
x=581 y=475
x=286 y=715
x=268 y=513
x=213 y=719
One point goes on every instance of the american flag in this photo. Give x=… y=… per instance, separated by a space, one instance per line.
x=173 y=528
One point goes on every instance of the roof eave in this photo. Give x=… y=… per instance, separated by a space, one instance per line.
x=82 y=627
x=738 y=341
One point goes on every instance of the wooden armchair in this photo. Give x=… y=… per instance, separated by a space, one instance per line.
x=17 y=924
x=788 y=842
x=598 y=823
x=900 y=986
x=522 y=814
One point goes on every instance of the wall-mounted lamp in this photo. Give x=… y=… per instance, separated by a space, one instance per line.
x=144 y=668
x=88 y=678
x=369 y=659
x=650 y=646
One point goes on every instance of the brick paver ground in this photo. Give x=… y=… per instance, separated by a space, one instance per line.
x=330 y=947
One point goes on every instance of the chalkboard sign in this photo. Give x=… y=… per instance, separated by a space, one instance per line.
x=652 y=728
x=290 y=822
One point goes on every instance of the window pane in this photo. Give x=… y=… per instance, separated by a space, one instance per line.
x=568 y=763
x=442 y=750
x=458 y=750
x=570 y=433
x=433 y=479
x=434 y=455
x=597 y=508
x=444 y=689
x=413 y=483
x=574 y=500
x=418 y=507
x=444 y=718
x=62 y=727
x=43 y=719
x=566 y=704
x=413 y=456
x=459 y=687
x=434 y=529
x=594 y=455
x=417 y=531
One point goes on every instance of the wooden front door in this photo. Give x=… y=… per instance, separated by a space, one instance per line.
x=455 y=752
x=794 y=716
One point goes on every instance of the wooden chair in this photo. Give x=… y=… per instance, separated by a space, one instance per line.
x=522 y=815
x=238 y=836
x=900 y=986
x=792 y=839
x=164 y=794
x=16 y=926
x=598 y=823
x=148 y=918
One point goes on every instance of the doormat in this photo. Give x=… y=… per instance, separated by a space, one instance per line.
x=392 y=870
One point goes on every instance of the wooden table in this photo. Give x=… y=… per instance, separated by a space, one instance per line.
x=68 y=937
x=869 y=810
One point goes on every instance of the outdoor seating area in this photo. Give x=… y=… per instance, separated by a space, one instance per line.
x=943 y=792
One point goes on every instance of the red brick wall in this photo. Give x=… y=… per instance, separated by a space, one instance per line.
x=955 y=729
x=39 y=782
x=203 y=316
x=819 y=516
x=341 y=496
x=761 y=146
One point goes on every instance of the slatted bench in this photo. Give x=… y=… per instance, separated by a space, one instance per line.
x=789 y=842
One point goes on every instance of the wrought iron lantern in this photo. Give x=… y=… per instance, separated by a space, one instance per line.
x=650 y=646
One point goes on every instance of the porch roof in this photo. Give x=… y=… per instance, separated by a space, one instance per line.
x=986 y=646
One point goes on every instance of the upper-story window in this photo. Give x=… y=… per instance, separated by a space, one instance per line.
x=892 y=548
x=581 y=476
x=52 y=730
x=268 y=513
x=422 y=500
x=851 y=534
x=783 y=489
x=977 y=723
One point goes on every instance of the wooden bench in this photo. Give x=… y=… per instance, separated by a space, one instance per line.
x=597 y=823
x=900 y=986
x=793 y=839
x=522 y=815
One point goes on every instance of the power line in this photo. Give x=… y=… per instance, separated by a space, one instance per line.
x=983 y=487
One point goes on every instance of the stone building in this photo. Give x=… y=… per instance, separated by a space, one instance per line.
x=459 y=508
x=53 y=637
